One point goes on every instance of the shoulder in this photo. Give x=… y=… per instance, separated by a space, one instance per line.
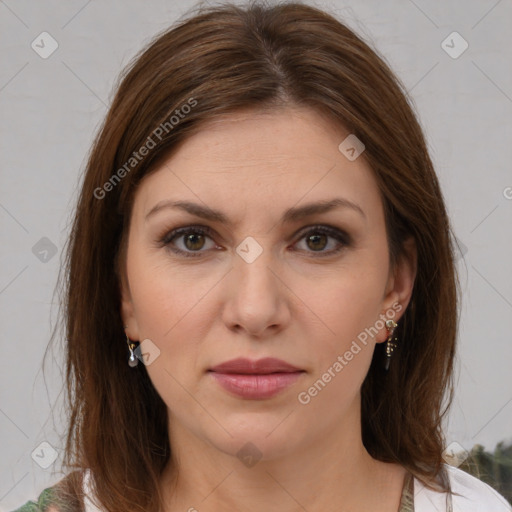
x=46 y=502
x=469 y=494
x=64 y=496
x=88 y=493
x=474 y=493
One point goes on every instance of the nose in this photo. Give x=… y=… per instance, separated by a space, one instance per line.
x=257 y=299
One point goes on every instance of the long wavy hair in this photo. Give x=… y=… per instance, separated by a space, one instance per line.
x=218 y=60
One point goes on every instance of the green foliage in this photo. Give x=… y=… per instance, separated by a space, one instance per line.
x=494 y=469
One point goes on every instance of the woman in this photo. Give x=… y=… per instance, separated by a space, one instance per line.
x=261 y=294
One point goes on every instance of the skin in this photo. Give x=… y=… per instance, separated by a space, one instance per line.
x=290 y=303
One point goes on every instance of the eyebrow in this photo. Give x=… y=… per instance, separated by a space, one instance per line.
x=290 y=215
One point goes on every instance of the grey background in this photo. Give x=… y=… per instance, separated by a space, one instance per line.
x=51 y=108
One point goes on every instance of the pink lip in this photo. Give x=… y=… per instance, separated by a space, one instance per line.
x=255 y=380
x=261 y=366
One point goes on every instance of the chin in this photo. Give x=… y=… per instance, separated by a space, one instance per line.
x=258 y=438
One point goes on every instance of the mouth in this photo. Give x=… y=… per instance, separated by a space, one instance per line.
x=263 y=366
x=255 y=380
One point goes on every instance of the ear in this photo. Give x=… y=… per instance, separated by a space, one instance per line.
x=400 y=285
x=127 y=310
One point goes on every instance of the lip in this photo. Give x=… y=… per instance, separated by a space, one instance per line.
x=255 y=380
x=261 y=366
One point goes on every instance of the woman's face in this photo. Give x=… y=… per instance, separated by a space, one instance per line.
x=262 y=277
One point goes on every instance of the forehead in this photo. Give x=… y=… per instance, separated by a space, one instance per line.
x=262 y=161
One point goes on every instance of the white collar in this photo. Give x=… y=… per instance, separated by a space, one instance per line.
x=475 y=495
x=88 y=494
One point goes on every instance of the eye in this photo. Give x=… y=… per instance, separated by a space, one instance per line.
x=192 y=240
x=189 y=241
x=317 y=239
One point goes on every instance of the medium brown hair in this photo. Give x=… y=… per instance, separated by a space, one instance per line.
x=223 y=59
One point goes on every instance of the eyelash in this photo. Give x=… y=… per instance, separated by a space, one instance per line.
x=342 y=237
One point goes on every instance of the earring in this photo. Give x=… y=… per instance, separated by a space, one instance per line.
x=390 y=342
x=132 y=360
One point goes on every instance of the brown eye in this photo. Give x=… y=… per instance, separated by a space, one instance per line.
x=318 y=238
x=189 y=241
x=194 y=241
x=317 y=242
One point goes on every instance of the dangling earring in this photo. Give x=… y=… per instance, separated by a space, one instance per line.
x=390 y=342
x=132 y=360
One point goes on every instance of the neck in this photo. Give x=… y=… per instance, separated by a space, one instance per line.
x=332 y=472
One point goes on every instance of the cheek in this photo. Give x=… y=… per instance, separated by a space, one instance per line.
x=163 y=295
x=167 y=305
x=350 y=300
x=172 y=308
x=350 y=308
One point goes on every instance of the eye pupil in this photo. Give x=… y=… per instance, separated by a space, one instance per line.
x=315 y=238
x=193 y=238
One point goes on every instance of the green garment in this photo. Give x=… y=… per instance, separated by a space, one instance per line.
x=47 y=498
x=407 y=500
